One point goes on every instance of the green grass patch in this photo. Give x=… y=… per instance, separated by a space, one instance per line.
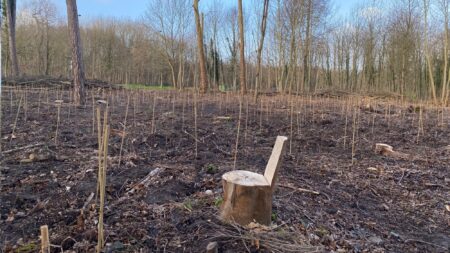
x=138 y=86
x=27 y=248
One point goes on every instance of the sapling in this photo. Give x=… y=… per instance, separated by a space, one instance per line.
x=420 y=125
x=93 y=112
x=298 y=112
x=134 y=109
x=291 y=134
x=195 y=122
x=45 y=240
x=260 y=114
x=237 y=135
x=124 y=130
x=101 y=185
x=182 y=112
x=354 y=126
x=25 y=105
x=220 y=103
x=346 y=123
x=68 y=110
x=11 y=100
x=153 y=129
x=226 y=102
x=58 y=106
x=17 y=117
x=246 y=122
x=373 y=124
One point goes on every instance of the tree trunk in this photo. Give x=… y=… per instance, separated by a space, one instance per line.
x=77 y=57
x=11 y=15
x=444 y=79
x=260 y=47
x=427 y=53
x=201 y=53
x=242 y=49
x=307 y=56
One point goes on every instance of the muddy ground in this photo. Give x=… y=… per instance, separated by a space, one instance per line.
x=372 y=203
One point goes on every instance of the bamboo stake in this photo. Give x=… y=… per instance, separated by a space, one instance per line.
x=45 y=241
x=17 y=117
x=124 y=129
x=103 y=158
x=237 y=136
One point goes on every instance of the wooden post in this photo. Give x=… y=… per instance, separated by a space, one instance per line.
x=45 y=241
x=248 y=195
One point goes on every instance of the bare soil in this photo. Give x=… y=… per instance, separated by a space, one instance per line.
x=372 y=203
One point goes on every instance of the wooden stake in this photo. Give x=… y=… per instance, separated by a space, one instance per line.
x=45 y=241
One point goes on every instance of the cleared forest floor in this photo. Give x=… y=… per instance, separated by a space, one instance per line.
x=371 y=204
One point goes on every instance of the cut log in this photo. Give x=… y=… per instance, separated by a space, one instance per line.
x=248 y=195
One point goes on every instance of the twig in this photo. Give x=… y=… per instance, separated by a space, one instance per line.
x=300 y=189
x=89 y=199
x=428 y=243
x=193 y=137
x=22 y=148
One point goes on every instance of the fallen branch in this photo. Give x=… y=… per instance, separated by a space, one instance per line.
x=300 y=189
x=427 y=243
x=89 y=199
x=193 y=137
x=146 y=181
x=22 y=148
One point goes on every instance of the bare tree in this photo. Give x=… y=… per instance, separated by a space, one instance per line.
x=79 y=94
x=260 y=46
x=169 y=21
x=11 y=15
x=444 y=6
x=201 y=54
x=242 y=49
x=426 y=6
x=44 y=14
x=232 y=44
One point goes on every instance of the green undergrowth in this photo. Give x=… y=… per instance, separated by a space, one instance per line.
x=137 y=86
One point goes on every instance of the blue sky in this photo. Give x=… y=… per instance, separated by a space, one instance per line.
x=136 y=8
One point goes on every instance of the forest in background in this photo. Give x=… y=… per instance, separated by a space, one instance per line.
x=397 y=46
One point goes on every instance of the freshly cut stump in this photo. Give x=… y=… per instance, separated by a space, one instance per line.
x=248 y=195
x=247 y=198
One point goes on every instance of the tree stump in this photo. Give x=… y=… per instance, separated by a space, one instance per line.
x=387 y=150
x=384 y=149
x=248 y=195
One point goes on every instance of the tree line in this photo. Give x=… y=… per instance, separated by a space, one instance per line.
x=289 y=46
